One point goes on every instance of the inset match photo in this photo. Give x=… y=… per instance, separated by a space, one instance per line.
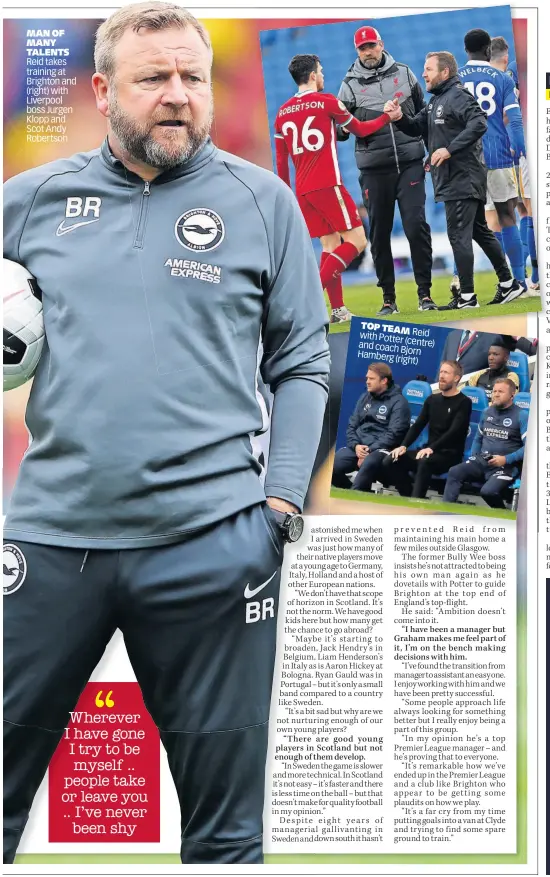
x=433 y=417
x=403 y=140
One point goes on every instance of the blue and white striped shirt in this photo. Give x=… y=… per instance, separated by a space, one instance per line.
x=494 y=91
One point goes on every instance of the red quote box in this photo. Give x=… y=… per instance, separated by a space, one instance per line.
x=104 y=779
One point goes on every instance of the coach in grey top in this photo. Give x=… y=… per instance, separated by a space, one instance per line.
x=172 y=275
x=156 y=295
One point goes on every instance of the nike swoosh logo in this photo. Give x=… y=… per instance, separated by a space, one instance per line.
x=61 y=230
x=251 y=592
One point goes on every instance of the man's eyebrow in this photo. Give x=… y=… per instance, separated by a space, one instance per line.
x=152 y=68
x=192 y=67
x=149 y=69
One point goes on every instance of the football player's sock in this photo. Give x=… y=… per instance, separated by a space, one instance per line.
x=333 y=287
x=335 y=292
x=337 y=262
x=498 y=235
x=524 y=234
x=532 y=249
x=324 y=257
x=514 y=251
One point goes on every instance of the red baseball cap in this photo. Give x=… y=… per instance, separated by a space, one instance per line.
x=366 y=35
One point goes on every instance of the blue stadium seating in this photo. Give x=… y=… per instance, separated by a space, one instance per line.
x=416 y=392
x=478 y=397
x=422 y=438
x=407 y=38
x=518 y=362
x=523 y=400
x=479 y=404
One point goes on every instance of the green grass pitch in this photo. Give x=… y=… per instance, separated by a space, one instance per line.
x=365 y=300
x=429 y=505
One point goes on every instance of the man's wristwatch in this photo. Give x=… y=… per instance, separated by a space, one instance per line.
x=290 y=524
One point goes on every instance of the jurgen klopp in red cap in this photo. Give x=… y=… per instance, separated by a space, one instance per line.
x=367 y=36
x=390 y=163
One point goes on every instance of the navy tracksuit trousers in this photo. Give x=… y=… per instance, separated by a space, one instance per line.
x=199 y=623
x=345 y=461
x=381 y=191
x=495 y=480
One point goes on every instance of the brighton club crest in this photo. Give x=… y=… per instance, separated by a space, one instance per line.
x=15 y=569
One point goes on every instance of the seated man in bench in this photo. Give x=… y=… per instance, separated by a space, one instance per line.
x=497 y=368
x=447 y=416
x=378 y=423
x=497 y=449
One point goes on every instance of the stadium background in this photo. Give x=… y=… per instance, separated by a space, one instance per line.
x=241 y=125
x=408 y=39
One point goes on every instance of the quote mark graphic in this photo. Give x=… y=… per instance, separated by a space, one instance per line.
x=109 y=702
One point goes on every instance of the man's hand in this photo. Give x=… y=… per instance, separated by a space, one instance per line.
x=424 y=452
x=395 y=114
x=497 y=460
x=439 y=156
x=361 y=451
x=394 y=111
x=281 y=505
x=398 y=452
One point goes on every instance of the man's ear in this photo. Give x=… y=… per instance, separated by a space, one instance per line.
x=100 y=85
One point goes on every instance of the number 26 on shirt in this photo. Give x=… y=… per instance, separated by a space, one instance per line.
x=312 y=138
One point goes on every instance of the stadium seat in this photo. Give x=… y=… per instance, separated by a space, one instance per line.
x=416 y=393
x=523 y=400
x=479 y=404
x=518 y=362
x=422 y=438
x=478 y=397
